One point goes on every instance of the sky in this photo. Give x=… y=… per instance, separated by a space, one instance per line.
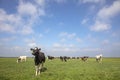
x=60 y=27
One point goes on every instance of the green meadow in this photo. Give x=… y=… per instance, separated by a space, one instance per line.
x=75 y=69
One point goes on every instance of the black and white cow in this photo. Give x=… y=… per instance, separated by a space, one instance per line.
x=99 y=58
x=50 y=57
x=39 y=59
x=63 y=58
x=84 y=58
x=21 y=59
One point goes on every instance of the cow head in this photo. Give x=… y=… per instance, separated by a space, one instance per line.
x=35 y=51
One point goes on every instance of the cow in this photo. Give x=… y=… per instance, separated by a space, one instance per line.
x=39 y=59
x=50 y=57
x=78 y=57
x=73 y=58
x=99 y=58
x=21 y=59
x=84 y=58
x=63 y=58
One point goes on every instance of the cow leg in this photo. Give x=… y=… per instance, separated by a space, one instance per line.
x=17 y=60
x=21 y=60
x=65 y=60
x=39 y=68
x=36 y=72
x=100 y=60
x=96 y=59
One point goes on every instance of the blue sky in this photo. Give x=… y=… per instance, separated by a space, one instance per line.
x=60 y=27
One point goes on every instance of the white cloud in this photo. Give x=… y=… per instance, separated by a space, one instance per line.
x=91 y=49
x=30 y=42
x=6 y=28
x=104 y=15
x=62 y=34
x=9 y=22
x=91 y=1
x=2 y=15
x=116 y=34
x=63 y=40
x=40 y=2
x=30 y=9
x=33 y=44
x=7 y=39
x=109 y=11
x=99 y=26
x=62 y=45
x=60 y=1
x=27 y=30
x=79 y=40
x=22 y=21
x=27 y=9
x=112 y=49
x=71 y=36
x=105 y=42
x=117 y=44
x=14 y=51
x=72 y=50
x=57 y=45
x=91 y=39
x=84 y=21
x=11 y=18
x=67 y=35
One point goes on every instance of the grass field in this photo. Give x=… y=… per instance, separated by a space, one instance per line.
x=57 y=70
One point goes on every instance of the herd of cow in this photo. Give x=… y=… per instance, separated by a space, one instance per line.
x=65 y=58
x=39 y=59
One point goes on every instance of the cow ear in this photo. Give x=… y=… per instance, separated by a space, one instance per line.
x=39 y=48
x=31 y=49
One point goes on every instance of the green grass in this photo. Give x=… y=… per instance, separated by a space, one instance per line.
x=109 y=69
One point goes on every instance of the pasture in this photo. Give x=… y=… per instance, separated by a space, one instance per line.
x=75 y=69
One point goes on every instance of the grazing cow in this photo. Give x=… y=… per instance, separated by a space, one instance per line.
x=39 y=59
x=64 y=58
x=68 y=57
x=73 y=58
x=99 y=58
x=78 y=57
x=84 y=58
x=21 y=59
x=50 y=57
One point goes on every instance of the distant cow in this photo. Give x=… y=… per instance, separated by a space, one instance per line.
x=21 y=59
x=99 y=58
x=73 y=58
x=84 y=58
x=78 y=57
x=39 y=59
x=50 y=57
x=63 y=58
